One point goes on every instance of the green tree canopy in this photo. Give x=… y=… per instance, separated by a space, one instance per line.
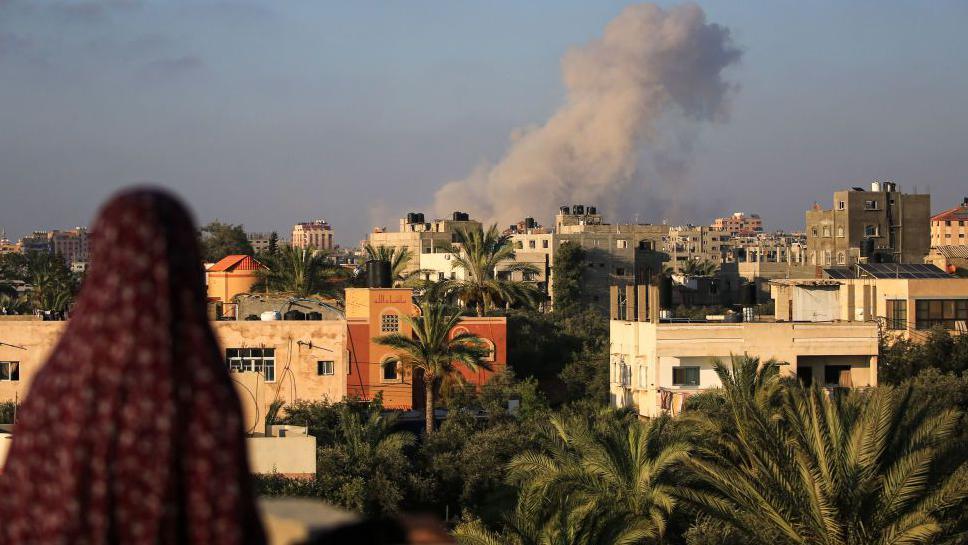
x=223 y=239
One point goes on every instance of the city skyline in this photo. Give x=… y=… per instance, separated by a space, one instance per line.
x=313 y=120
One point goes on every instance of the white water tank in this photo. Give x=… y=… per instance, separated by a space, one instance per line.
x=875 y=186
x=269 y=316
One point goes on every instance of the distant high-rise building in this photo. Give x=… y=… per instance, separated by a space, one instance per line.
x=950 y=228
x=882 y=224
x=71 y=244
x=739 y=224
x=316 y=235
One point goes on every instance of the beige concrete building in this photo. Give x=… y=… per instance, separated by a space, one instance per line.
x=738 y=223
x=420 y=237
x=269 y=360
x=904 y=305
x=685 y=243
x=317 y=235
x=950 y=228
x=896 y=222
x=655 y=365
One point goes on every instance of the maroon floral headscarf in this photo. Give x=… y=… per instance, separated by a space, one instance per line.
x=132 y=433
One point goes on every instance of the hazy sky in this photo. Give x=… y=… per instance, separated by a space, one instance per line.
x=275 y=112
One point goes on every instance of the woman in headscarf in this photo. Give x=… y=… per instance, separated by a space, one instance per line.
x=131 y=432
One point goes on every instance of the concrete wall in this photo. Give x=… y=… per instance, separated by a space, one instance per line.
x=291 y=456
x=295 y=369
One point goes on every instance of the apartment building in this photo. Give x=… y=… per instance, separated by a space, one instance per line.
x=70 y=244
x=285 y=360
x=656 y=364
x=422 y=237
x=739 y=224
x=371 y=312
x=895 y=224
x=906 y=300
x=317 y=235
x=262 y=241
x=615 y=254
x=950 y=228
x=685 y=243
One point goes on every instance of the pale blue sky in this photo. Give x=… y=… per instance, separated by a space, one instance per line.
x=267 y=113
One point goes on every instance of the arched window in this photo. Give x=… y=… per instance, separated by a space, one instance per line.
x=491 y=353
x=841 y=258
x=390 y=370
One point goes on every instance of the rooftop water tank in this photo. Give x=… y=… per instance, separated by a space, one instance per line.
x=269 y=316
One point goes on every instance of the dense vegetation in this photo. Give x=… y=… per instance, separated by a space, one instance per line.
x=51 y=286
x=536 y=457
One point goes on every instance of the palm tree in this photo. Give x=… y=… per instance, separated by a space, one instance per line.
x=519 y=529
x=434 y=352
x=699 y=267
x=844 y=468
x=478 y=254
x=372 y=437
x=614 y=480
x=12 y=304
x=52 y=285
x=302 y=272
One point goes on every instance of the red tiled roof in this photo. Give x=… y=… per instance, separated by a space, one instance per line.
x=958 y=213
x=236 y=263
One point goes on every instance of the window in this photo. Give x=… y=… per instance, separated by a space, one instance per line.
x=840 y=232
x=929 y=313
x=685 y=376
x=842 y=205
x=896 y=314
x=544 y=243
x=390 y=323
x=519 y=245
x=529 y=276
x=813 y=230
x=252 y=360
x=643 y=376
x=836 y=375
x=390 y=370
x=872 y=231
x=826 y=231
x=324 y=368
x=531 y=244
x=870 y=205
x=841 y=258
x=9 y=371
x=619 y=271
x=621 y=244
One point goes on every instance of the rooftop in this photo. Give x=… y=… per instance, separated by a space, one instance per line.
x=886 y=270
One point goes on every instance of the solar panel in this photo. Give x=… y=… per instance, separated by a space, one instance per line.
x=839 y=273
x=902 y=270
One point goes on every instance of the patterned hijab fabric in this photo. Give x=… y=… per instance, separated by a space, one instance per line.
x=131 y=432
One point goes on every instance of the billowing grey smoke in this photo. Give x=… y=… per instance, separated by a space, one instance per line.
x=652 y=65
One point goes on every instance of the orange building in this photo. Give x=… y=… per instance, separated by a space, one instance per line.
x=231 y=276
x=371 y=312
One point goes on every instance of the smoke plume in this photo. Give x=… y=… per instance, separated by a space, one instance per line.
x=651 y=78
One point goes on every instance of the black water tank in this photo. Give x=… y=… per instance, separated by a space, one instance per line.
x=378 y=274
x=529 y=223
x=252 y=317
x=665 y=292
x=294 y=315
x=314 y=315
x=564 y=210
x=592 y=210
x=578 y=210
x=748 y=294
x=461 y=216
x=412 y=217
x=867 y=247
x=419 y=217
